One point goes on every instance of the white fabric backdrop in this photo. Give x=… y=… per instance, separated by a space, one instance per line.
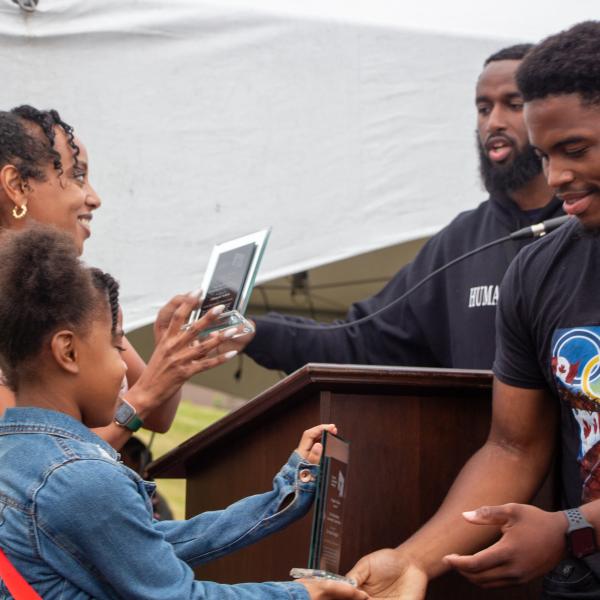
x=206 y=121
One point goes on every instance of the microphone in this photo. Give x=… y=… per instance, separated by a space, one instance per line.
x=539 y=229
x=536 y=230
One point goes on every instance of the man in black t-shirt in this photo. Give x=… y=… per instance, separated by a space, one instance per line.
x=547 y=372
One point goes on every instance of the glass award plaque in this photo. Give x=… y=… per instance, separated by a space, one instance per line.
x=332 y=489
x=229 y=280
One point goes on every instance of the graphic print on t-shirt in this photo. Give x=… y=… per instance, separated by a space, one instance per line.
x=576 y=368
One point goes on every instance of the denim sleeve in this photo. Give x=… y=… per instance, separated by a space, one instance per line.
x=94 y=527
x=213 y=534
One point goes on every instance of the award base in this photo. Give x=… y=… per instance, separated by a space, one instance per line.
x=227 y=320
x=298 y=573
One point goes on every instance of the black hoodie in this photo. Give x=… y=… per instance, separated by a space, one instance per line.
x=449 y=322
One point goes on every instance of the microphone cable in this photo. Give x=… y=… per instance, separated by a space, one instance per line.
x=531 y=231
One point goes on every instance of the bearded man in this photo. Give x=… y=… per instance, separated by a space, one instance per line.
x=449 y=322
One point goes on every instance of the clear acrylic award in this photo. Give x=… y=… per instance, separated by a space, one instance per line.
x=332 y=489
x=229 y=280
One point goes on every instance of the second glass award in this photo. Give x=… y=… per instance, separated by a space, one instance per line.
x=332 y=488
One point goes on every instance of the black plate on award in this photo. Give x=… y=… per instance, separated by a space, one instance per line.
x=332 y=488
x=228 y=278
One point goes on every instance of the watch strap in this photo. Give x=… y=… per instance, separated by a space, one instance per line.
x=576 y=520
x=134 y=423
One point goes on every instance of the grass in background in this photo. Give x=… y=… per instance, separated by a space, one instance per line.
x=190 y=419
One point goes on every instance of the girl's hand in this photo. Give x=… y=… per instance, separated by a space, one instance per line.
x=310 y=447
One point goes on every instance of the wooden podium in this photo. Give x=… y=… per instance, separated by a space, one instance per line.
x=411 y=430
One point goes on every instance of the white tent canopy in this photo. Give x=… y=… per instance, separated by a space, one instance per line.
x=347 y=126
x=511 y=19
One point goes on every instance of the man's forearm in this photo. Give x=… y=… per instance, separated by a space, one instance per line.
x=494 y=475
x=279 y=345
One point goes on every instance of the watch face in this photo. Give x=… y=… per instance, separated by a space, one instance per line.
x=582 y=542
x=124 y=413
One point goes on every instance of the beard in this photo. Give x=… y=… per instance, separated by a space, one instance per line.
x=501 y=179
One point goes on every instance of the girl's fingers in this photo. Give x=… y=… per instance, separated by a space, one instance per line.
x=315 y=453
x=312 y=435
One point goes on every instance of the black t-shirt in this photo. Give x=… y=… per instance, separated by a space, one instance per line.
x=548 y=336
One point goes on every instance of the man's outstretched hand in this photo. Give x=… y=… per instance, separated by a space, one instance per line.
x=389 y=574
x=532 y=543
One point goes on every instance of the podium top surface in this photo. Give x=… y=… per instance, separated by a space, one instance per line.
x=312 y=377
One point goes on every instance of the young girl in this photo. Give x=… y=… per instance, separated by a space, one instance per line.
x=74 y=521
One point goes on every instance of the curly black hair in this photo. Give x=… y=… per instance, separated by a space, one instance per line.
x=44 y=286
x=516 y=52
x=27 y=140
x=565 y=63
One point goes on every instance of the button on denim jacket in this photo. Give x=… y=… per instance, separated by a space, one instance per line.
x=77 y=523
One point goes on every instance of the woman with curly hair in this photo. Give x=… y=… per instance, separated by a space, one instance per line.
x=44 y=178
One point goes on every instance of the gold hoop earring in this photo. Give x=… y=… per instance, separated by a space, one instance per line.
x=18 y=212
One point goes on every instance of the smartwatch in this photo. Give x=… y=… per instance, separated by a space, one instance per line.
x=581 y=537
x=126 y=416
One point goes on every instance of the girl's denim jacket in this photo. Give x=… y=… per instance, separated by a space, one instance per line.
x=77 y=523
